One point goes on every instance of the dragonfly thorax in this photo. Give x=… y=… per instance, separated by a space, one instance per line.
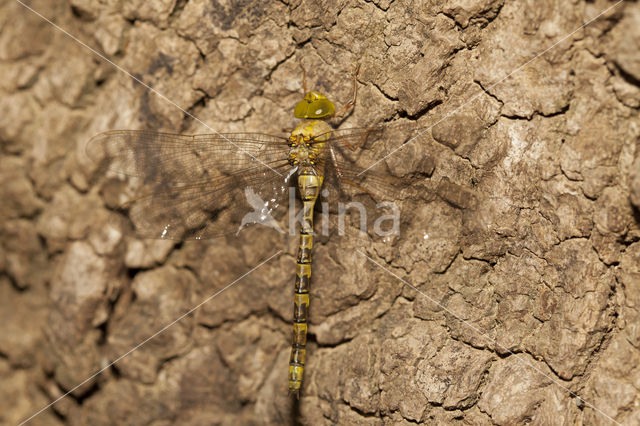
x=306 y=142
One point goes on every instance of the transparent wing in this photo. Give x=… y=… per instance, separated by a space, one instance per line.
x=357 y=157
x=359 y=187
x=378 y=186
x=364 y=158
x=197 y=187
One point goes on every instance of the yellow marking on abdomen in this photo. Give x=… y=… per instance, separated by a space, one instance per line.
x=309 y=185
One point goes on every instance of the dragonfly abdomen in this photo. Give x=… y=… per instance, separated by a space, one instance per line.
x=309 y=184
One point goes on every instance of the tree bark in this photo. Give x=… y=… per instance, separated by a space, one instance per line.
x=514 y=298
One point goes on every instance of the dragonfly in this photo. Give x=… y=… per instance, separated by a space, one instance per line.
x=206 y=186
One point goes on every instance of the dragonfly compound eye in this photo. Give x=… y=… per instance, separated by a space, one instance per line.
x=314 y=105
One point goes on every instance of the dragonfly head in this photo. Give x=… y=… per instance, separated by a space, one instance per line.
x=314 y=105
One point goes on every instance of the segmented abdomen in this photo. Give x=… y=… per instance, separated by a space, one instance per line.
x=309 y=185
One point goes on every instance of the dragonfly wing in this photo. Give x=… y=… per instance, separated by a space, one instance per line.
x=373 y=160
x=197 y=187
x=182 y=158
x=372 y=193
x=357 y=157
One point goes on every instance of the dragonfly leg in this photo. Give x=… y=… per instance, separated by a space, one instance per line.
x=335 y=161
x=342 y=113
x=360 y=144
x=304 y=76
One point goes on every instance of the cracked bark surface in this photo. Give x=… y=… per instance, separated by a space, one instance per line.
x=544 y=270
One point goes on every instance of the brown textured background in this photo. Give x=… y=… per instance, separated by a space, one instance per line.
x=548 y=266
